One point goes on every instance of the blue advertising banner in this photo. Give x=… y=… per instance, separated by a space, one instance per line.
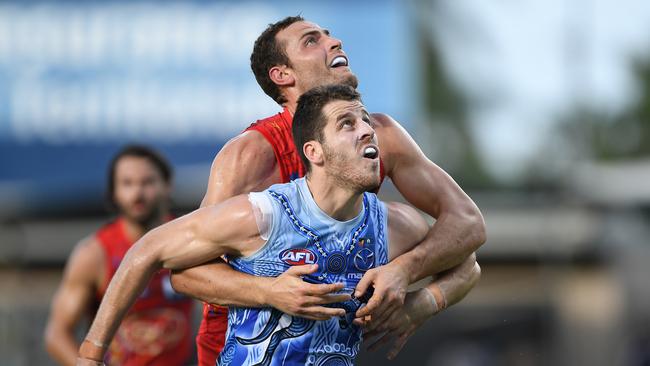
x=80 y=79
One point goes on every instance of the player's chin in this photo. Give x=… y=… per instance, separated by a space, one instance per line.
x=371 y=183
x=350 y=79
x=141 y=215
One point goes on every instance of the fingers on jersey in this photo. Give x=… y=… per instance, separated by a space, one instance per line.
x=302 y=270
x=365 y=282
x=388 y=296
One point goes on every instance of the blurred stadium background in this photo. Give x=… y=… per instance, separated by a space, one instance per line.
x=539 y=109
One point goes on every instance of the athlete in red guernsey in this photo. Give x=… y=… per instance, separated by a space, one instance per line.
x=277 y=131
x=289 y=58
x=157 y=329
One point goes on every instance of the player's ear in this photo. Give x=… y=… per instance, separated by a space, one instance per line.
x=313 y=150
x=282 y=75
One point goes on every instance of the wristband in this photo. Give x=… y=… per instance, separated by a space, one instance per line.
x=437 y=298
x=96 y=345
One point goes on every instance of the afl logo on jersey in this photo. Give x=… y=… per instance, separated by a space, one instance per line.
x=298 y=256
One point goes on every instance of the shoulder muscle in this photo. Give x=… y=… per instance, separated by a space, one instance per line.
x=84 y=262
x=246 y=163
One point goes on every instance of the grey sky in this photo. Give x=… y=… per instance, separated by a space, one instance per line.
x=523 y=64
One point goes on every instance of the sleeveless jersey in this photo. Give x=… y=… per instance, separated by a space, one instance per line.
x=303 y=234
x=156 y=331
x=277 y=131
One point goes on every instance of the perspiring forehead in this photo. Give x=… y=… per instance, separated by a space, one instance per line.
x=294 y=33
x=339 y=109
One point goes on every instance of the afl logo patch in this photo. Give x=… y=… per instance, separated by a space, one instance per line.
x=298 y=256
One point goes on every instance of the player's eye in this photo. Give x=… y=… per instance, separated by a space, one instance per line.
x=310 y=40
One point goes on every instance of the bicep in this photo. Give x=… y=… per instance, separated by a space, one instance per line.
x=244 y=164
x=205 y=234
x=418 y=179
x=406 y=228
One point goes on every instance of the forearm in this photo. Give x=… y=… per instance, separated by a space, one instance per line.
x=454 y=284
x=61 y=346
x=219 y=284
x=450 y=241
x=129 y=281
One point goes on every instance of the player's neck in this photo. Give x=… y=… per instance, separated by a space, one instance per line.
x=291 y=107
x=134 y=229
x=339 y=203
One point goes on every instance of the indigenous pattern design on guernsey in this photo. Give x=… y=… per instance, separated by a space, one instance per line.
x=156 y=331
x=301 y=232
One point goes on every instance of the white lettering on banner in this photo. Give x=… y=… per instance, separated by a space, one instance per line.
x=105 y=71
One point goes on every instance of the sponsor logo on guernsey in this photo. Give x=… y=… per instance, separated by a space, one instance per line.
x=355 y=276
x=364 y=259
x=298 y=256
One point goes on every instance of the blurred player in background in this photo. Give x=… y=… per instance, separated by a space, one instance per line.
x=289 y=58
x=157 y=330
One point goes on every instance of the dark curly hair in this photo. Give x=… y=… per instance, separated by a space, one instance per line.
x=267 y=52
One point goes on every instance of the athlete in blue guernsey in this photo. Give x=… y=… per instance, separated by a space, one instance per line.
x=301 y=233
x=326 y=219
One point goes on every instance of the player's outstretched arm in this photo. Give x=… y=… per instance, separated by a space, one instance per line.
x=287 y=292
x=459 y=229
x=446 y=290
x=193 y=239
x=71 y=300
x=247 y=164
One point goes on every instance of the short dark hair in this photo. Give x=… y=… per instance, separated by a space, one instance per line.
x=139 y=151
x=309 y=121
x=267 y=52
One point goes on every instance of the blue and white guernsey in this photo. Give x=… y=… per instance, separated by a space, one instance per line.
x=300 y=233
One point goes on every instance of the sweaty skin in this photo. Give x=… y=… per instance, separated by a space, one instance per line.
x=247 y=163
x=417 y=178
x=231 y=227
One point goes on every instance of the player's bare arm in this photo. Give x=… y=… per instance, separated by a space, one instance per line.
x=205 y=234
x=406 y=228
x=457 y=233
x=247 y=163
x=81 y=279
x=447 y=289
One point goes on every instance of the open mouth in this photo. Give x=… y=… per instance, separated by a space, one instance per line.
x=339 y=61
x=371 y=152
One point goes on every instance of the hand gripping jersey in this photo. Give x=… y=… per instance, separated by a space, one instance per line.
x=156 y=331
x=300 y=233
